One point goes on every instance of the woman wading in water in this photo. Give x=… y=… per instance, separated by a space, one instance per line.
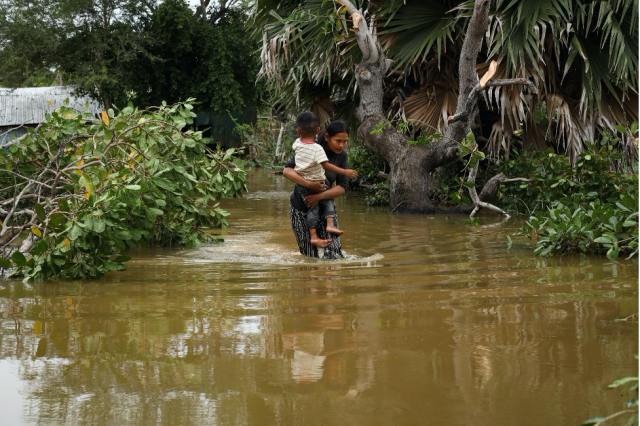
x=333 y=139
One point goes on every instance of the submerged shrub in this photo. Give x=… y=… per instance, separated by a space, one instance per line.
x=371 y=169
x=594 y=227
x=368 y=164
x=378 y=195
x=78 y=191
x=589 y=208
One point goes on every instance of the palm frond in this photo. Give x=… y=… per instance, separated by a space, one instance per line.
x=422 y=26
x=571 y=127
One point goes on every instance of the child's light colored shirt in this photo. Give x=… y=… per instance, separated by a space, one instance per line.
x=308 y=157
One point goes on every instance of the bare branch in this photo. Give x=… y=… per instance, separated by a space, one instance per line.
x=465 y=113
x=201 y=10
x=476 y=199
x=491 y=187
x=225 y=5
x=365 y=38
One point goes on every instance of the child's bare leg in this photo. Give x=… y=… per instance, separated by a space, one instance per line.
x=332 y=229
x=317 y=241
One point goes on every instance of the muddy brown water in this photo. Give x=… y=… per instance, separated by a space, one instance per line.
x=427 y=321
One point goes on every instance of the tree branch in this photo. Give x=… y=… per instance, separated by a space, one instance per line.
x=476 y=199
x=492 y=185
x=201 y=11
x=365 y=38
x=445 y=150
x=225 y=5
x=463 y=114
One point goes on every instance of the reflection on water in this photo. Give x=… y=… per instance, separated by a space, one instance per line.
x=427 y=321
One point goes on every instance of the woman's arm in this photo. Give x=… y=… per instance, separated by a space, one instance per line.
x=293 y=176
x=339 y=171
x=313 y=199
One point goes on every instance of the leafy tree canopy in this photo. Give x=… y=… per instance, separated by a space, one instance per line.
x=120 y=50
x=213 y=62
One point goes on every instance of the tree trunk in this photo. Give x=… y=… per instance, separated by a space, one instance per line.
x=411 y=166
x=279 y=143
x=410 y=187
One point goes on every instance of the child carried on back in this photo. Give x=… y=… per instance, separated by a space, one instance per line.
x=311 y=162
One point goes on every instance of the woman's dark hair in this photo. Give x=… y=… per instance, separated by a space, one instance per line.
x=335 y=127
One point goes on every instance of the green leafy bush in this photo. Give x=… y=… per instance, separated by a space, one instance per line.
x=371 y=169
x=554 y=178
x=78 y=191
x=368 y=164
x=594 y=227
x=378 y=194
x=588 y=208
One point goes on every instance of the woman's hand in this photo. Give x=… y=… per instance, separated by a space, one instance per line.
x=312 y=200
x=351 y=174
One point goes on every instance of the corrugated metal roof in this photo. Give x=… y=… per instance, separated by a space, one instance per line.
x=29 y=105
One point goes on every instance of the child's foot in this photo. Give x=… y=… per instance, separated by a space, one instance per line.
x=319 y=242
x=332 y=229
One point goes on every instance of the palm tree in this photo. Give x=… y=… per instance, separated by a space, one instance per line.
x=580 y=54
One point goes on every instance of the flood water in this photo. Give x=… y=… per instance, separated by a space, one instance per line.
x=428 y=321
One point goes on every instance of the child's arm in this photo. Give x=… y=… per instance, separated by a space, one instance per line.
x=350 y=173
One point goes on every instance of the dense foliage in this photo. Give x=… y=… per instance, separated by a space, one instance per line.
x=582 y=56
x=588 y=208
x=123 y=50
x=215 y=63
x=78 y=191
x=372 y=177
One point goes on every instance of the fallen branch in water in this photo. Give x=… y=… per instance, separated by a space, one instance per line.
x=468 y=112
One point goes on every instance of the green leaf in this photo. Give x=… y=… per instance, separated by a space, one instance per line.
x=123 y=235
x=98 y=225
x=19 y=259
x=74 y=232
x=63 y=205
x=165 y=184
x=40 y=212
x=622 y=381
x=605 y=239
x=133 y=187
x=39 y=248
x=613 y=253
x=593 y=420
x=5 y=263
